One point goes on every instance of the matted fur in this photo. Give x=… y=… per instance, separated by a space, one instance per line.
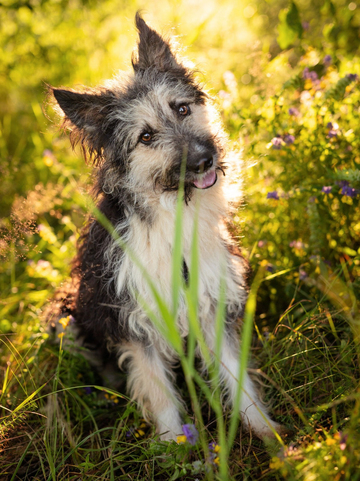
x=136 y=130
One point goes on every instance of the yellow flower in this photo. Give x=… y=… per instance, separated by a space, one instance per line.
x=64 y=321
x=48 y=161
x=181 y=439
x=61 y=335
x=330 y=441
x=217 y=460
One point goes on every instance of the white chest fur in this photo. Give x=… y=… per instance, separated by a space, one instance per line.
x=152 y=246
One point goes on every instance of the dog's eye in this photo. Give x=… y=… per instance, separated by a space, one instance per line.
x=145 y=138
x=184 y=110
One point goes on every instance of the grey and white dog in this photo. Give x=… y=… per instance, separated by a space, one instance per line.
x=136 y=130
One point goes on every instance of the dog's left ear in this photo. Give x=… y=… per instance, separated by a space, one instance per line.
x=153 y=50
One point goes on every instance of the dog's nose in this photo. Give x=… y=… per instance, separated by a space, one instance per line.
x=203 y=165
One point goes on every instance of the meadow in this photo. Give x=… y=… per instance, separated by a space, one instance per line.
x=286 y=79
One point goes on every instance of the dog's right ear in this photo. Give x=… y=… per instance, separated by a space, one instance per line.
x=87 y=116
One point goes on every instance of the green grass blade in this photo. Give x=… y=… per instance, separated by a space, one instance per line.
x=177 y=257
x=28 y=399
x=13 y=477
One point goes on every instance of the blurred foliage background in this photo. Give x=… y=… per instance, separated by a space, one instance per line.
x=285 y=76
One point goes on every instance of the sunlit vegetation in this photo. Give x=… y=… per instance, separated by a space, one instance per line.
x=286 y=78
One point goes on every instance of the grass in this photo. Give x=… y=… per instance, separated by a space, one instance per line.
x=302 y=324
x=85 y=433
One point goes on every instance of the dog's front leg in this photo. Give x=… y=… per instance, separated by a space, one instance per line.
x=150 y=385
x=253 y=412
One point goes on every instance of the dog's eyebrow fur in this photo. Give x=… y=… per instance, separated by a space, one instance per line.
x=147 y=129
x=175 y=104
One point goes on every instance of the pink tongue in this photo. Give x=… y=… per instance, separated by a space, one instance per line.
x=206 y=181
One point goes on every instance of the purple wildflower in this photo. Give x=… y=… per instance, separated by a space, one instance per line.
x=72 y=319
x=296 y=244
x=273 y=195
x=333 y=129
x=305 y=25
x=289 y=139
x=327 y=60
x=262 y=243
x=343 y=439
x=342 y=183
x=276 y=143
x=352 y=76
x=309 y=75
x=191 y=433
x=294 y=111
x=306 y=73
x=349 y=191
x=326 y=189
x=302 y=275
x=270 y=268
x=48 y=153
x=88 y=390
x=131 y=432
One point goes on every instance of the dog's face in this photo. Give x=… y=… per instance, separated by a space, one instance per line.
x=141 y=130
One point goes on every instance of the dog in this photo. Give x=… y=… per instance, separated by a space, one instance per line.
x=137 y=130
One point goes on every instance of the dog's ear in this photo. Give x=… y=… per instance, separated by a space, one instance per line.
x=87 y=118
x=153 y=50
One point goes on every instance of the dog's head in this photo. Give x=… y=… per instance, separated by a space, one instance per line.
x=142 y=128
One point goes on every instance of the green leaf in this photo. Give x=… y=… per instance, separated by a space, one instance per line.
x=289 y=27
x=175 y=475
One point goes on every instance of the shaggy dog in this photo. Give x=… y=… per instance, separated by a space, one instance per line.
x=137 y=131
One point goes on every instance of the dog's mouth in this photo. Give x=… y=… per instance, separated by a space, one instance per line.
x=205 y=181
